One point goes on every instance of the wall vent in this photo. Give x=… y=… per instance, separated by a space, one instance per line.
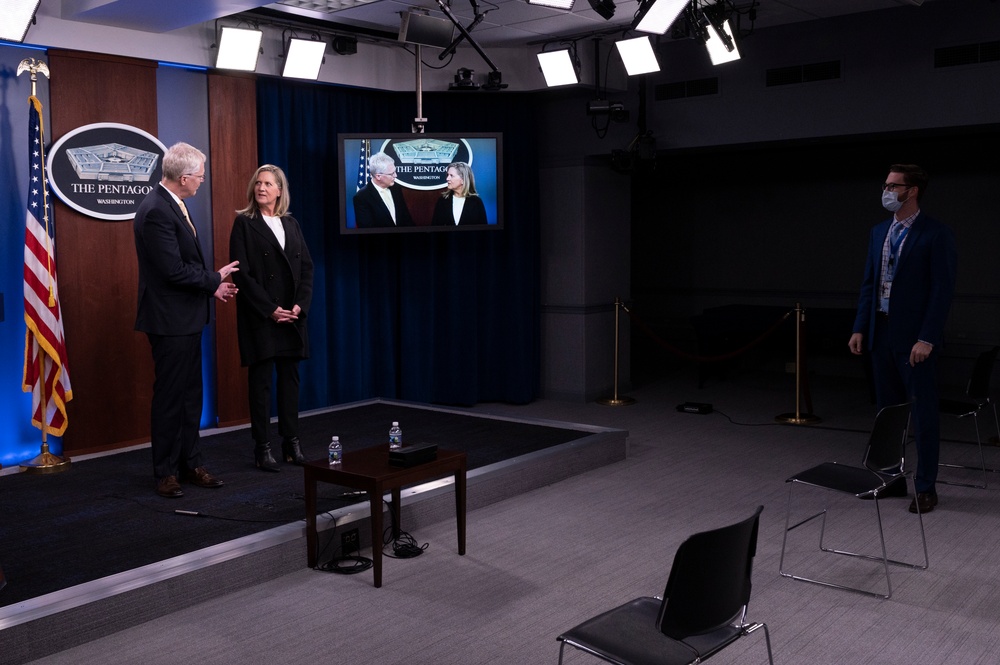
x=967 y=54
x=682 y=89
x=820 y=71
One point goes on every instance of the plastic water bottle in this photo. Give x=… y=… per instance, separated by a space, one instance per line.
x=395 y=436
x=336 y=451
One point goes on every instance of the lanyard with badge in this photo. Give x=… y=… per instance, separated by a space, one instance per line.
x=890 y=268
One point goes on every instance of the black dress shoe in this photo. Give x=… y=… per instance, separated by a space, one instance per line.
x=925 y=500
x=200 y=477
x=292 y=452
x=169 y=487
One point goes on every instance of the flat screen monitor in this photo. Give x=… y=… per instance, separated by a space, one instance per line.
x=419 y=199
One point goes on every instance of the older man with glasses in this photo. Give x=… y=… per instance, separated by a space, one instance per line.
x=379 y=204
x=175 y=289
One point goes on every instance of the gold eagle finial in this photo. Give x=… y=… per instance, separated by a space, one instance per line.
x=34 y=67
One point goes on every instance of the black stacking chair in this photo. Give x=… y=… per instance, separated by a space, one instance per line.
x=882 y=464
x=703 y=609
x=977 y=398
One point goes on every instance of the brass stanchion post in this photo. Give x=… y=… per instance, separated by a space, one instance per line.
x=615 y=400
x=798 y=418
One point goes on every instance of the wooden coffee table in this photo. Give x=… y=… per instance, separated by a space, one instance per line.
x=369 y=470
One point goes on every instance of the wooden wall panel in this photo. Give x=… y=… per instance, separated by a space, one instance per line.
x=232 y=101
x=110 y=364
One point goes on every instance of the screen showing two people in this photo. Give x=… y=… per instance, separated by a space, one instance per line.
x=420 y=182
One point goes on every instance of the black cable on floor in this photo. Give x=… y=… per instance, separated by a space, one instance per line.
x=404 y=546
x=726 y=416
x=335 y=564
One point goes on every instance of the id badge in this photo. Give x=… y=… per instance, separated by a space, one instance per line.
x=886 y=289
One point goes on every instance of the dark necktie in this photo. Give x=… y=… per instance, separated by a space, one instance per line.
x=897 y=228
x=895 y=240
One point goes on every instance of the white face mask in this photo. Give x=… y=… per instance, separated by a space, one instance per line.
x=890 y=201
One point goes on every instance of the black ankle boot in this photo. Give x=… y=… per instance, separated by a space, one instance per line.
x=263 y=458
x=292 y=452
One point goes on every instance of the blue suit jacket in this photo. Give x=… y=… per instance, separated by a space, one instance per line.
x=922 y=287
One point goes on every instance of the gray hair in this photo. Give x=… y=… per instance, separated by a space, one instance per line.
x=381 y=163
x=181 y=159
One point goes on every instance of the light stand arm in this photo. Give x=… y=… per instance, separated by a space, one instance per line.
x=458 y=40
x=466 y=35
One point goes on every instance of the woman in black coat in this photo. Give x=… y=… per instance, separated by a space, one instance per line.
x=459 y=205
x=275 y=289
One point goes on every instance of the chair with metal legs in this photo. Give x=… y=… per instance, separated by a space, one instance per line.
x=703 y=609
x=882 y=465
x=977 y=399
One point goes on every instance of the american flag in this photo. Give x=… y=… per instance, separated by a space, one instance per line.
x=364 y=154
x=46 y=374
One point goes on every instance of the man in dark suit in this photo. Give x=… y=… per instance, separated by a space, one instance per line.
x=905 y=297
x=175 y=289
x=379 y=204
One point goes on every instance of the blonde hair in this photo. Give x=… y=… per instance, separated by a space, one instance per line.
x=281 y=209
x=468 y=180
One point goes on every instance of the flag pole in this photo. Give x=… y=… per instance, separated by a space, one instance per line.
x=45 y=461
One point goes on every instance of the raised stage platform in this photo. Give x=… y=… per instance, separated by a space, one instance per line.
x=93 y=550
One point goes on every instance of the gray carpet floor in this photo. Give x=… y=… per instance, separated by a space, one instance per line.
x=541 y=562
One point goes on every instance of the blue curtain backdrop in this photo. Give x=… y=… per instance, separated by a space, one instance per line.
x=448 y=318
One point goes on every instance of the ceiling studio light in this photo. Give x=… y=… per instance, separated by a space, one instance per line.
x=303 y=58
x=239 y=49
x=606 y=8
x=17 y=16
x=557 y=68
x=718 y=47
x=638 y=56
x=555 y=4
x=657 y=16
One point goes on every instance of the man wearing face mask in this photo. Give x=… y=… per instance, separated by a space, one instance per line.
x=905 y=297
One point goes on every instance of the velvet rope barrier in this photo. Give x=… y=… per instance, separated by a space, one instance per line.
x=798 y=417
x=707 y=359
